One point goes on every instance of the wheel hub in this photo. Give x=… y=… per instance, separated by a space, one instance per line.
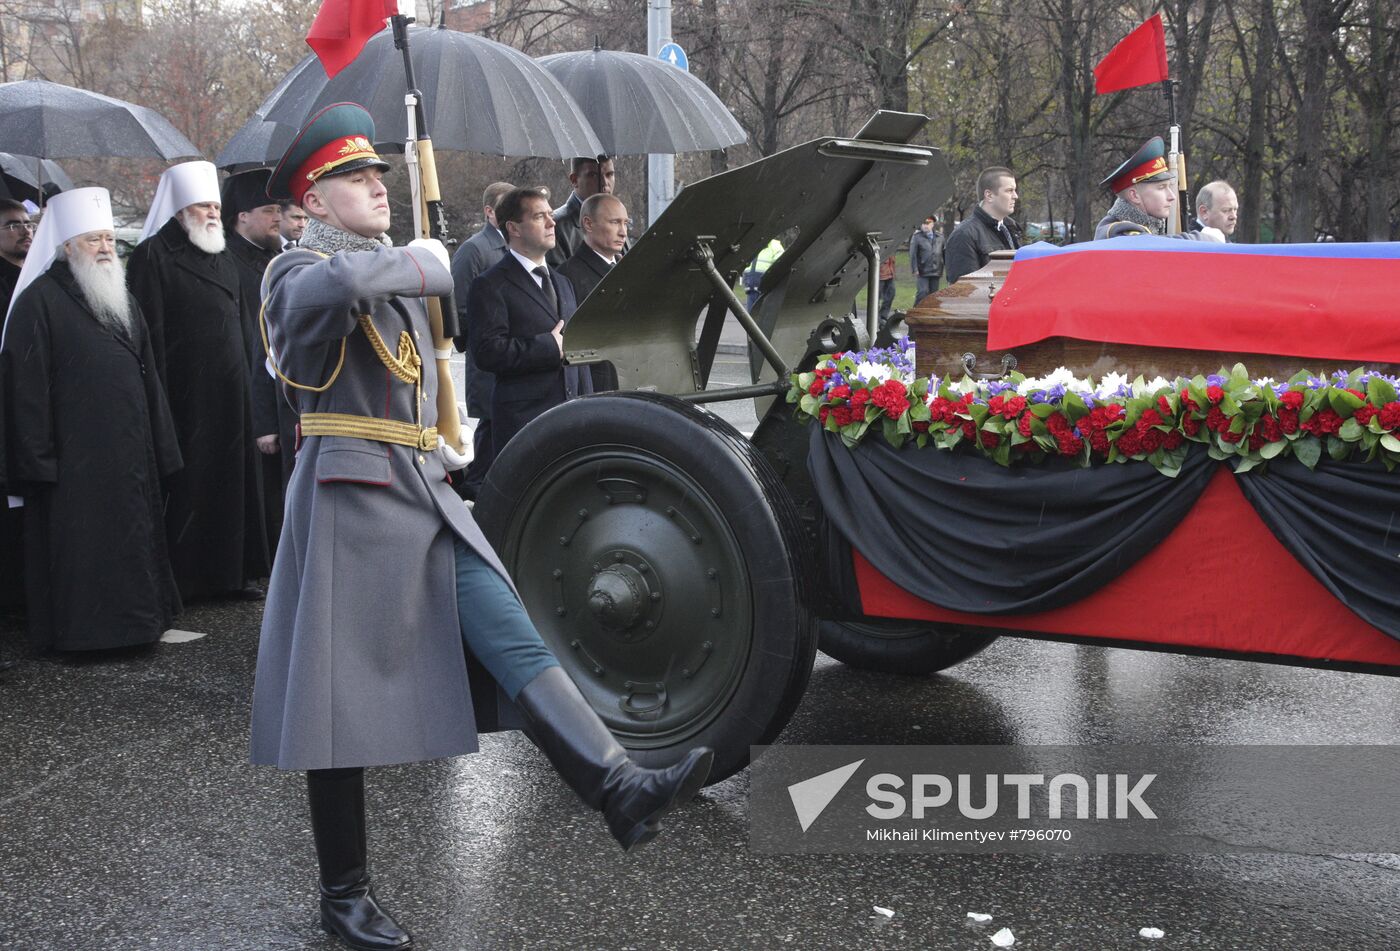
x=624 y=597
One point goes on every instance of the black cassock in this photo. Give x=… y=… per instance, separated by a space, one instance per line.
x=89 y=438
x=194 y=307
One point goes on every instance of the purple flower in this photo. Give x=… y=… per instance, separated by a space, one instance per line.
x=996 y=387
x=1215 y=379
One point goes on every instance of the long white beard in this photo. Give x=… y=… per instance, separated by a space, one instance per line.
x=104 y=287
x=210 y=240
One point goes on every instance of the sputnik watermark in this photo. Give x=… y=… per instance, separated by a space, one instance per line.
x=1077 y=799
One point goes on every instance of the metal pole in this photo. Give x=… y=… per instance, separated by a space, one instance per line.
x=661 y=169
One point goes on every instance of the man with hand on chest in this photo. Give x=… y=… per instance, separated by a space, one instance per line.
x=520 y=307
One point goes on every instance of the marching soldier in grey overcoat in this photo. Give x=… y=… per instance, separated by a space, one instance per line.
x=384 y=589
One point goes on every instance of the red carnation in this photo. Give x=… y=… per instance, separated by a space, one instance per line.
x=891 y=397
x=816 y=386
x=1070 y=444
x=1215 y=394
x=1325 y=422
x=1288 y=420
x=825 y=371
x=1023 y=425
x=842 y=392
x=1267 y=430
x=990 y=440
x=1130 y=442
x=920 y=426
x=1216 y=420
x=1390 y=416
x=1191 y=424
x=1228 y=436
x=1187 y=401
x=1165 y=405
x=1293 y=399
x=1365 y=413
x=994 y=405
x=858 y=400
x=1057 y=424
x=1173 y=439
x=1013 y=407
x=1356 y=393
x=822 y=413
x=1149 y=417
x=843 y=415
x=969 y=428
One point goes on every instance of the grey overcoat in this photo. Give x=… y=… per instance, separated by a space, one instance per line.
x=361 y=660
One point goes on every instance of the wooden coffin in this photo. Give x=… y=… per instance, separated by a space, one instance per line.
x=949 y=329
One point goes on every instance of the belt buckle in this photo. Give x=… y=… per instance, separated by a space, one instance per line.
x=428 y=439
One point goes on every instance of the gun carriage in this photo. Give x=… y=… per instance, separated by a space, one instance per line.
x=683 y=572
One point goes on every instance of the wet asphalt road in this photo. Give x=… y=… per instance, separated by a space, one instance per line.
x=129 y=819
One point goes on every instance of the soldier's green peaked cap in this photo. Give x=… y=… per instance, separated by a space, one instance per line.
x=336 y=140
x=1148 y=164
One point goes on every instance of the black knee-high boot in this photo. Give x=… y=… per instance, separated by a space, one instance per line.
x=632 y=798
x=348 y=906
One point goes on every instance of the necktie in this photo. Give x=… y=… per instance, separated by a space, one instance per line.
x=1005 y=234
x=547 y=286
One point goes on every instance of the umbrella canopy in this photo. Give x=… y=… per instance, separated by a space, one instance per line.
x=38 y=117
x=259 y=144
x=638 y=104
x=479 y=95
x=23 y=176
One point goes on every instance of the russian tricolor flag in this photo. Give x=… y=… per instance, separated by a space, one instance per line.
x=1326 y=300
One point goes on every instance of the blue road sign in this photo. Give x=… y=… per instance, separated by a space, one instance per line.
x=673 y=54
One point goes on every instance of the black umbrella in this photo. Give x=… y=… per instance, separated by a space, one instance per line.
x=55 y=121
x=258 y=144
x=25 y=177
x=480 y=96
x=640 y=105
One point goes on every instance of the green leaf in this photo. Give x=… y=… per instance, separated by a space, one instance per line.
x=1245 y=464
x=1271 y=449
x=1239 y=375
x=1379 y=391
x=1390 y=442
x=1042 y=410
x=1343 y=402
x=1302 y=376
x=1350 y=431
x=903 y=424
x=1338 y=449
x=1198 y=394
x=1308 y=451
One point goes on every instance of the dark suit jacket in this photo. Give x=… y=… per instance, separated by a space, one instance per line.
x=514 y=322
x=475 y=257
x=584 y=269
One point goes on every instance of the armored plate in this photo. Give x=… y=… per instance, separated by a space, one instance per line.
x=643 y=315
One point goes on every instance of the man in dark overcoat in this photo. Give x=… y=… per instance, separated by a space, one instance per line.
x=384 y=577
x=89 y=439
x=187 y=285
x=520 y=307
x=605 y=224
x=589 y=177
x=253 y=233
x=476 y=256
x=988 y=228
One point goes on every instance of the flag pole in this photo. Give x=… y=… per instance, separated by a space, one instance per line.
x=1176 y=161
x=429 y=221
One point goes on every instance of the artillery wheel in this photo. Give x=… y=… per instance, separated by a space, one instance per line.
x=661 y=559
x=901 y=647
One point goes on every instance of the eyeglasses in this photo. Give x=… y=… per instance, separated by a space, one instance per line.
x=14 y=226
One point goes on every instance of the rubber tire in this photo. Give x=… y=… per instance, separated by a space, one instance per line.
x=901 y=647
x=736 y=477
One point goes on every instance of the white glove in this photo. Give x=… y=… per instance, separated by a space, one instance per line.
x=1213 y=234
x=453 y=460
x=434 y=247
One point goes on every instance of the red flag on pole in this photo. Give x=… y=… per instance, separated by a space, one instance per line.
x=1139 y=59
x=342 y=27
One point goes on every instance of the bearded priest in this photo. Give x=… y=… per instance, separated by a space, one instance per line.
x=187 y=284
x=89 y=438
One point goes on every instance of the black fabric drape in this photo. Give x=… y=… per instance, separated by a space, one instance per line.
x=964 y=533
x=1342 y=523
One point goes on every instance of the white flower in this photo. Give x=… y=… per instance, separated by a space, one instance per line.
x=1108 y=386
x=873 y=371
x=1264 y=381
x=1061 y=377
x=1150 y=387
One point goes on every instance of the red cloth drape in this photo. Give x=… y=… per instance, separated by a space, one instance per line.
x=1220 y=581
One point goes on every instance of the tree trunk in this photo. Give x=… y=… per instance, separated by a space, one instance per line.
x=1320 y=19
x=1251 y=193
